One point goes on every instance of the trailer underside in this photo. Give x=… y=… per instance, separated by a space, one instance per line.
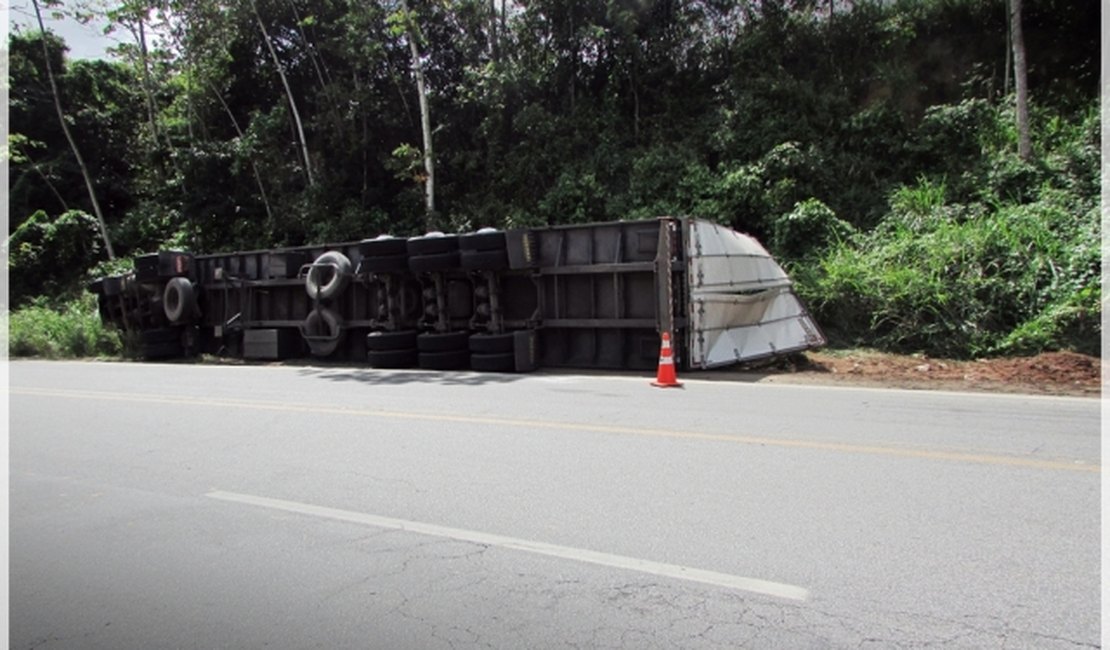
x=581 y=296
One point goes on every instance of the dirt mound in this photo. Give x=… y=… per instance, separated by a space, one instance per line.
x=1055 y=373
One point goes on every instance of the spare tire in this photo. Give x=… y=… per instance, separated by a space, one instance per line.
x=178 y=299
x=328 y=275
x=322 y=331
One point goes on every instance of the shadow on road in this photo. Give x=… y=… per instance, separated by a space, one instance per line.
x=381 y=377
x=399 y=377
x=342 y=371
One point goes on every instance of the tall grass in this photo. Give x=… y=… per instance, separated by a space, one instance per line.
x=960 y=282
x=69 y=330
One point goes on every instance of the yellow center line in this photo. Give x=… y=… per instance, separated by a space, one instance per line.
x=794 y=443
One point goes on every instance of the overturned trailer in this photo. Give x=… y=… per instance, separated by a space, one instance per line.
x=580 y=296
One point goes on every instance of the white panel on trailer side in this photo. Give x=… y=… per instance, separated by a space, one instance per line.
x=742 y=306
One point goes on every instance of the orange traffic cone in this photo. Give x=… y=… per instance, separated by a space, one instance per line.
x=666 y=378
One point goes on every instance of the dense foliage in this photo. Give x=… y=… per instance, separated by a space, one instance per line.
x=869 y=144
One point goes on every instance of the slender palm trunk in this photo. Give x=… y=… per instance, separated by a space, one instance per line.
x=312 y=55
x=151 y=106
x=425 y=120
x=49 y=184
x=1021 y=82
x=494 y=45
x=69 y=137
x=288 y=95
x=148 y=93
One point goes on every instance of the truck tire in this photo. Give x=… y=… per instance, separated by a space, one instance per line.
x=329 y=275
x=486 y=239
x=383 y=246
x=385 y=264
x=434 y=243
x=449 y=342
x=493 y=362
x=484 y=260
x=434 y=262
x=113 y=285
x=178 y=299
x=191 y=341
x=161 y=343
x=160 y=335
x=491 y=343
x=392 y=358
x=453 y=360
x=161 y=350
x=391 y=341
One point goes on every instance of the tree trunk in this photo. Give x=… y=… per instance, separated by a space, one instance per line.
x=46 y=179
x=288 y=95
x=1008 y=67
x=1021 y=82
x=494 y=45
x=309 y=48
x=140 y=36
x=425 y=119
x=151 y=107
x=69 y=137
x=635 y=81
x=573 y=55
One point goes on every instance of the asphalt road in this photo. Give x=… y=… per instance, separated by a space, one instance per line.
x=180 y=506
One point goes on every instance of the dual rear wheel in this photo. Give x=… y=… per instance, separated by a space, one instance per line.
x=441 y=351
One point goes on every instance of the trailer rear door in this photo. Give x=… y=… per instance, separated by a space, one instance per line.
x=741 y=303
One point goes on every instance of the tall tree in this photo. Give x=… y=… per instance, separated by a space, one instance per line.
x=69 y=137
x=134 y=16
x=413 y=31
x=1021 y=82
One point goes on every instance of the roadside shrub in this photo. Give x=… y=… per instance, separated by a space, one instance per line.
x=47 y=255
x=1072 y=322
x=960 y=281
x=66 y=331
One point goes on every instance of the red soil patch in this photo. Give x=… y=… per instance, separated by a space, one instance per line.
x=1053 y=373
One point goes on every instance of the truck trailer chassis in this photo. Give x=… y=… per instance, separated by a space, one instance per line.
x=578 y=296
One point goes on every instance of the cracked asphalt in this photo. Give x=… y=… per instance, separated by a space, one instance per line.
x=913 y=519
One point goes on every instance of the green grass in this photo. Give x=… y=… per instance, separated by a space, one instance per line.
x=67 y=331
